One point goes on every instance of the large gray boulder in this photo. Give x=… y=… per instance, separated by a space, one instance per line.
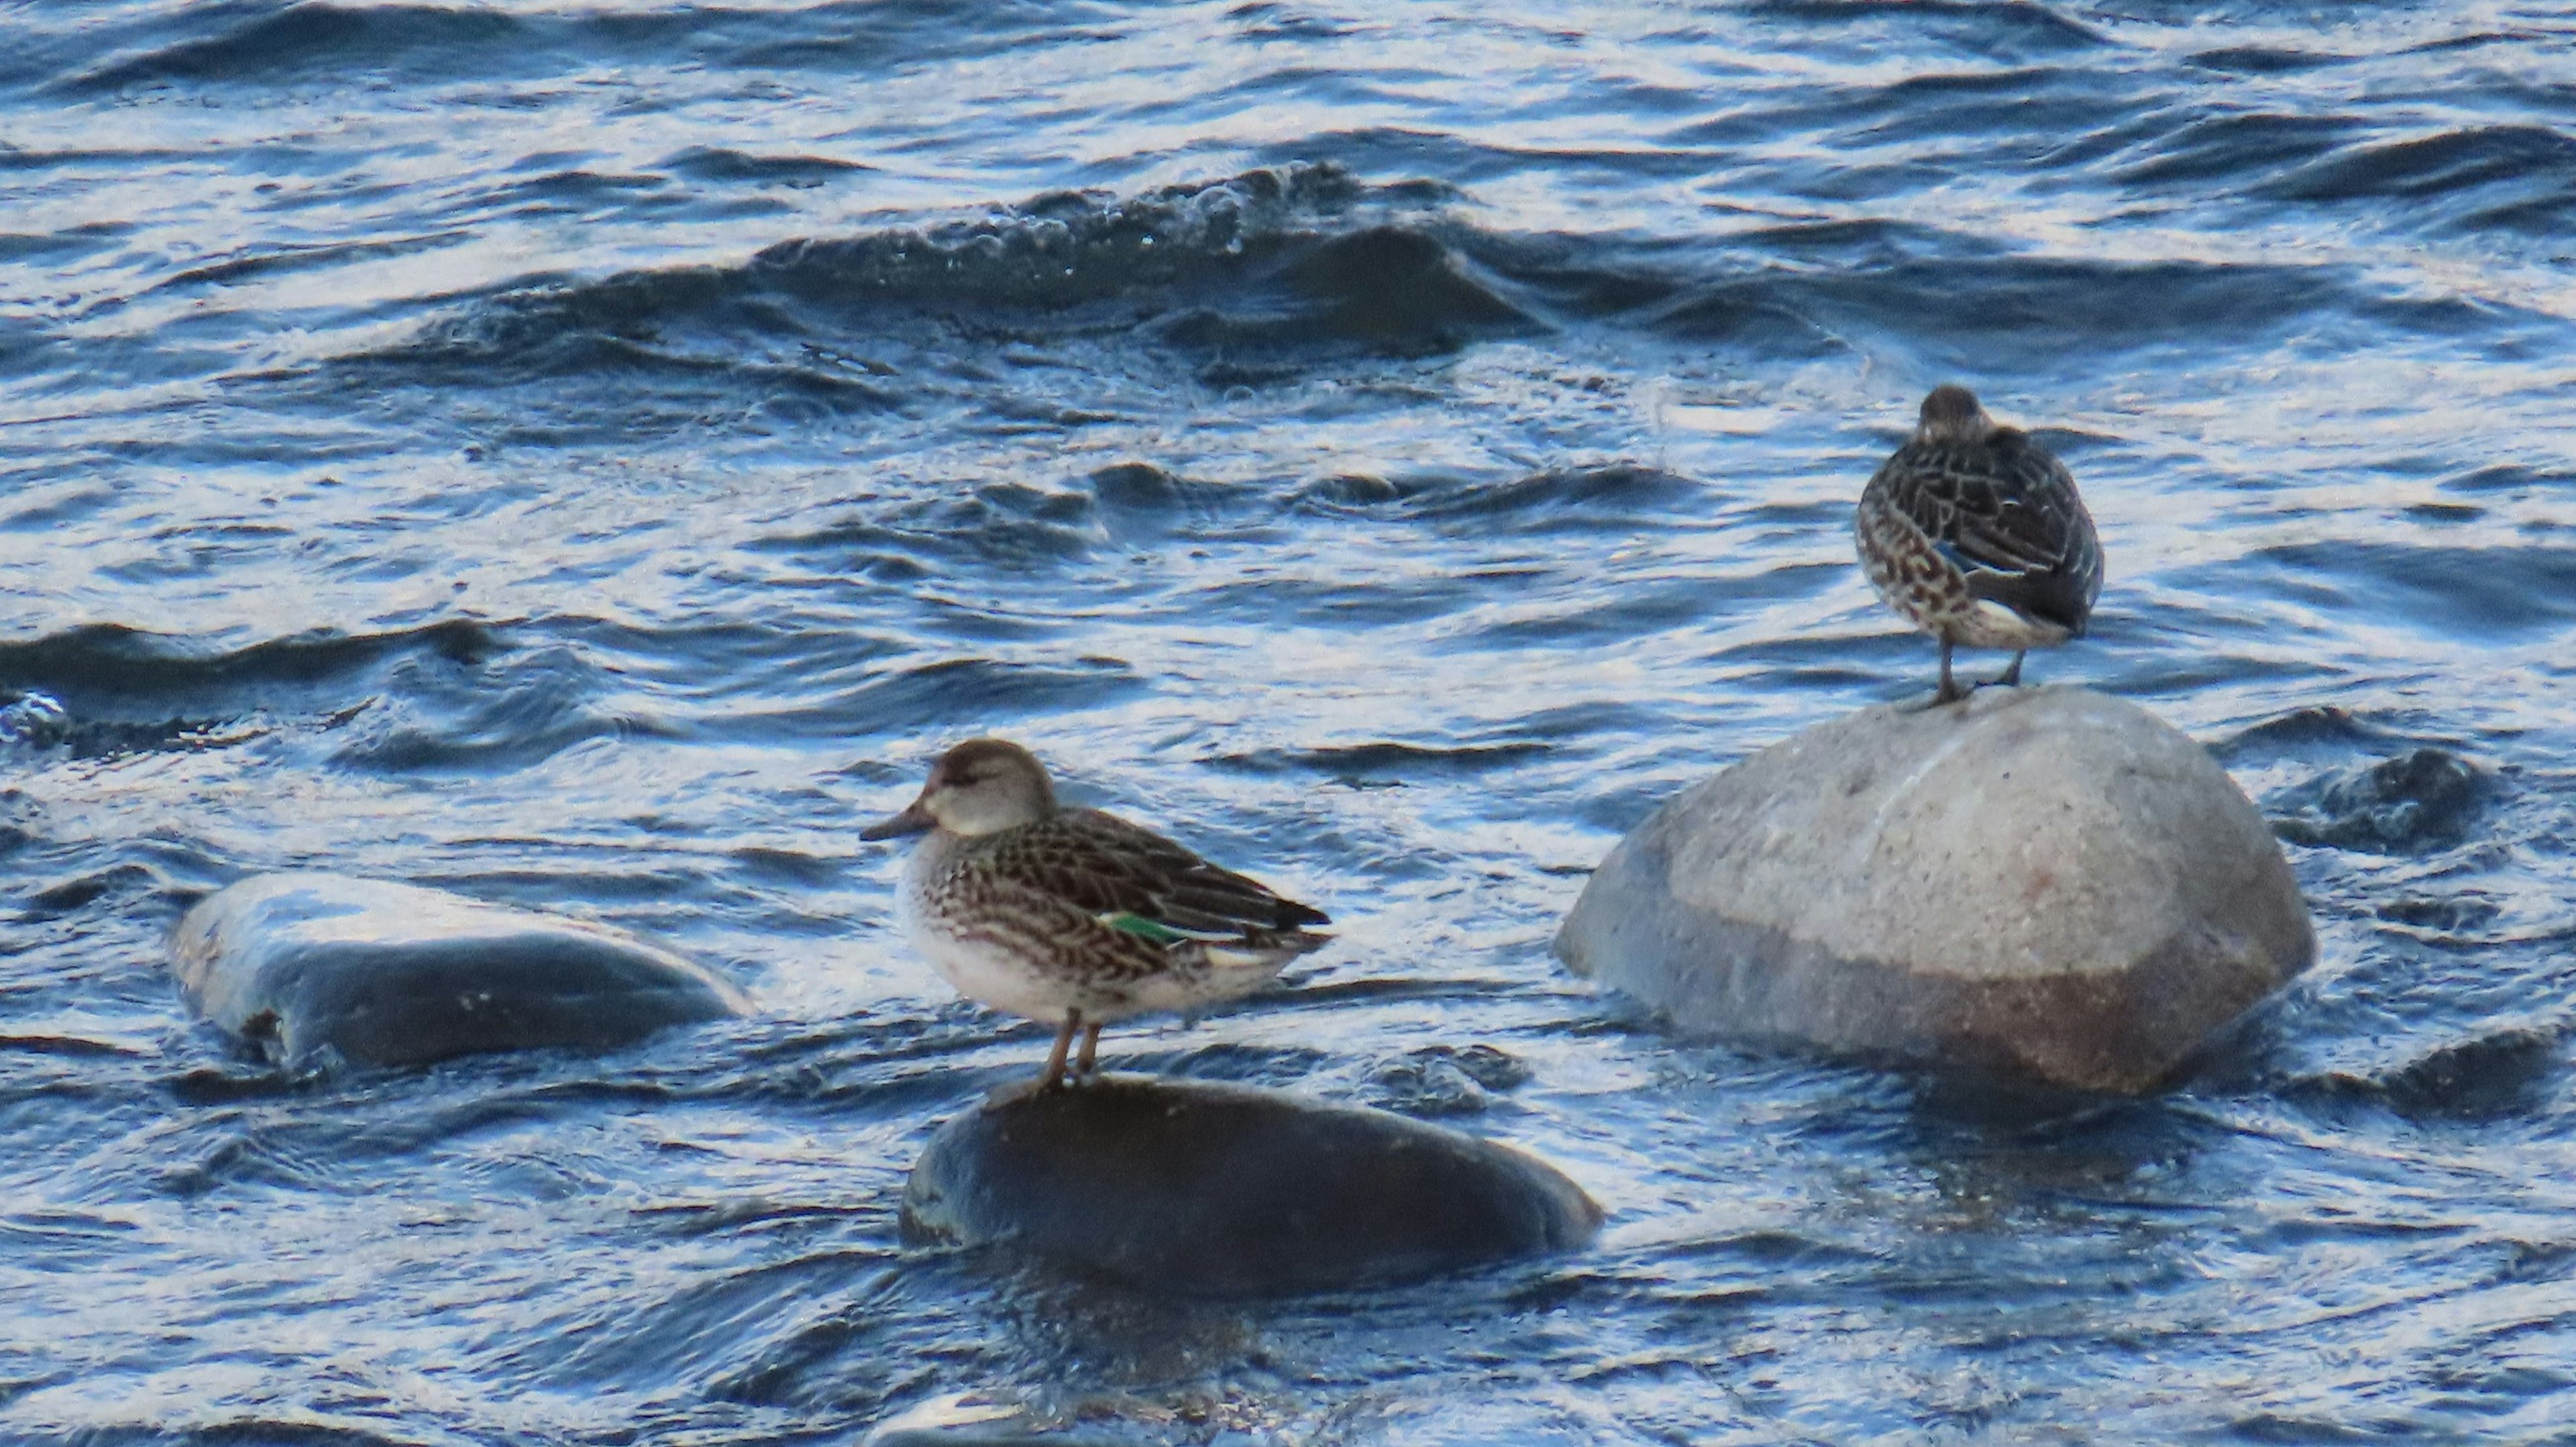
x=1222 y=1190
x=392 y=974
x=2042 y=881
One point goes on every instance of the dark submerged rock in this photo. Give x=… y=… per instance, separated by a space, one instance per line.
x=1208 y=1189
x=2044 y=883
x=306 y=964
x=1444 y=1080
x=2425 y=799
x=2452 y=916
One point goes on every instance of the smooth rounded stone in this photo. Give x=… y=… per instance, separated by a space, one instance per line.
x=2042 y=881
x=1224 y=1190
x=394 y=974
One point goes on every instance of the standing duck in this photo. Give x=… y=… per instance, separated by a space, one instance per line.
x=1072 y=916
x=1976 y=535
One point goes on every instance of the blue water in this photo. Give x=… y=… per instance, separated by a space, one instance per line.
x=593 y=456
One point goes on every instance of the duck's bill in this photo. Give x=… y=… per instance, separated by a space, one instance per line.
x=913 y=820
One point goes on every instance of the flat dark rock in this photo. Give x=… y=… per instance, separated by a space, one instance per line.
x=303 y=964
x=1206 y=1189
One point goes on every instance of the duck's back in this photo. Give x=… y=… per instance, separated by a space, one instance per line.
x=2003 y=513
x=1102 y=864
x=1084 y=909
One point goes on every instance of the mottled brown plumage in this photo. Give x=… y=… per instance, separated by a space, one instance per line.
x=1976 y=534
x=1074 y=916
x=1099 y=862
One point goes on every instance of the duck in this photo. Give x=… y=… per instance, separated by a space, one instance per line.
x=1975 y=534
x=1075 y=917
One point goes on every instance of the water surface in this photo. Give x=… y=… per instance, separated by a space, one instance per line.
x=593 y=456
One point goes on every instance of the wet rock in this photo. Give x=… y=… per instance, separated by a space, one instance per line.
x=2045 y=882
x=2417 y=801
x=1444 y=1080
x=308 y=964
x=1208 y=1189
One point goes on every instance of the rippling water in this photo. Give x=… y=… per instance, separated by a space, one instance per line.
x=592 y=456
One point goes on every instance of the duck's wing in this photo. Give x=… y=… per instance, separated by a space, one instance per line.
x=1136 y=880
x=2005 y=511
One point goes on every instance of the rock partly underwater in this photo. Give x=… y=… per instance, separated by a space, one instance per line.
x=2046 y=882
x=306 y=965
x=1224 y=1190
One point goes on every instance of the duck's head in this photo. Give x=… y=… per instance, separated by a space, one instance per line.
x=978 y=787
x=1951 y=414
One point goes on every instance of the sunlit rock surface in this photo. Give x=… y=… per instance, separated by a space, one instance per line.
x=309 y=964
x=1209 y=1189
x=2043 y=881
